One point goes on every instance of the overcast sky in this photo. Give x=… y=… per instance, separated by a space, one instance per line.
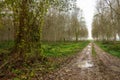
x=88 y=7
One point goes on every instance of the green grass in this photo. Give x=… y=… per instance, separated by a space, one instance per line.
x=61 y=49
x=6 y=44
x=111 y=47
x=93 y=51
x=51 y=49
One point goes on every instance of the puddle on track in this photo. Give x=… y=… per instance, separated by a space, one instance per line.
x=85 y=64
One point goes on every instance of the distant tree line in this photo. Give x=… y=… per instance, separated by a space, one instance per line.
x=64 y=26
x=106 y=22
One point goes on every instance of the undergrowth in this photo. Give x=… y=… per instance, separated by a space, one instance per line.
x=57 y=53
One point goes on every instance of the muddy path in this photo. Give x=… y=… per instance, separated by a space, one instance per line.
x=85 y=66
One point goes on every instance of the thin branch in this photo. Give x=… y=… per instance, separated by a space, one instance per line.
x=4 y=64
x=109 y=4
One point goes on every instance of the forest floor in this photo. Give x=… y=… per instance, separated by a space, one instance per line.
x=90 y=64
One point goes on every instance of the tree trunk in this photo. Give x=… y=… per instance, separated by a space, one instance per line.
x=21 y=42
x=76 y=37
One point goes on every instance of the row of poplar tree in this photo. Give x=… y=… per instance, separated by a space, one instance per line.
x=106 y=22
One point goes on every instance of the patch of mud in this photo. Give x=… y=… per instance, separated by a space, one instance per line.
x=85 y=64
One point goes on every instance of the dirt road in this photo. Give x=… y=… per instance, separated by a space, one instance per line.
x=85 y=66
